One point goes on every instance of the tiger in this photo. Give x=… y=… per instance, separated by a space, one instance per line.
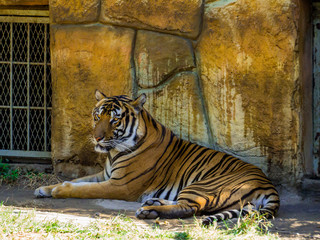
x=172 y=178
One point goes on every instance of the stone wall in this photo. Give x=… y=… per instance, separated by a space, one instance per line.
x=223 y=73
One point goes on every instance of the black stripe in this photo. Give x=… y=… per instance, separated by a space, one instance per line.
x=132 y=125
x=242 y=198
x=119 y=178
x=273 y=201
x=153 y=167
x=212 y=170
x=234 y=213
x=106 y=173
x=190 y=201
x=272 y=194
x=154 y=124
x=209 y=158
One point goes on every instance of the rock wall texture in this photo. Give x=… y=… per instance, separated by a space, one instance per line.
x=222 y=73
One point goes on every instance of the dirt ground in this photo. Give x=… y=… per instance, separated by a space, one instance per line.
x=298 y=217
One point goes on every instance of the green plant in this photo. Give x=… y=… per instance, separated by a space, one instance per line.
x=8 y=174
x=26 y=224
x=4 y=167
x=24 y=178
x=181 y=236
x=252 y=222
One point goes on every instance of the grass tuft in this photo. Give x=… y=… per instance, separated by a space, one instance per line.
x=26 y=225
x=26 y=179
x=253 y=222
x=7 y=174
x=182 y=236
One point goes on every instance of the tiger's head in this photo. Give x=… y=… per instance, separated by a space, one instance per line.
x=116 y=122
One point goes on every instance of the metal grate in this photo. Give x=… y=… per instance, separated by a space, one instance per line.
x=25 y=89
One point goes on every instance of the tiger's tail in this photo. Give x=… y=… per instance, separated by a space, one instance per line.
x=269 y=208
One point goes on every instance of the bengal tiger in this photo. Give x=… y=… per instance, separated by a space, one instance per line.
x=174 y=178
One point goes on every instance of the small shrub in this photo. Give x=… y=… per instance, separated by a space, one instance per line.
x=7 y=174
x=22 y=178
x=182 y=236
x=252 y=222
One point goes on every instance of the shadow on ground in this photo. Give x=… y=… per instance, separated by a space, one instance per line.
x=298 y=217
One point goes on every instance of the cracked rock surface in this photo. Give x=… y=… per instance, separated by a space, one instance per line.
x=222 y=73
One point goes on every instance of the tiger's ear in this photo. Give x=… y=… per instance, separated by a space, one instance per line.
x=139 y=101
x=99 y=95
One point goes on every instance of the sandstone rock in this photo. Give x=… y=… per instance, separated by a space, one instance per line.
x=248 y=68
x=85 y=59
x=177 y=105
x=159 y=56
x=74 y=11
x=247 y=59
x=177 y=17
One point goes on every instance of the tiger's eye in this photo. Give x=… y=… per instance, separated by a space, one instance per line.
x=116 y=119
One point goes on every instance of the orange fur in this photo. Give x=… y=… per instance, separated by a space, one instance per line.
x=175 y=178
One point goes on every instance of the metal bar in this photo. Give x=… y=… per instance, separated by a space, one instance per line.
x=23 y=107
x=24 y=19
x=26 y=109
x=33 y=154
x=28 y=88
x=21 y=63
x=45 y=87
x=19 y=12
x=11 y=86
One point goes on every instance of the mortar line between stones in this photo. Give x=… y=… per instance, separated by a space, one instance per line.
x=201 y=19
x=167 y=82
x=168 y=77
x=99 y=11
x=205 y=112
x=133 y=66
x=203 y=102
x=146 y=27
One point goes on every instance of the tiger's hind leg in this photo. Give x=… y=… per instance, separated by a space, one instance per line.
x=191 y=201
x=225 y=201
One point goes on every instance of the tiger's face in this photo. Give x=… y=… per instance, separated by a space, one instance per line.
x=116 y=121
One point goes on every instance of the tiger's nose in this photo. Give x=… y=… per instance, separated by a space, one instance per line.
x=99 y=138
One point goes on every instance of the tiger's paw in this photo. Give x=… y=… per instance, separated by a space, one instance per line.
x=43 y=192
x=157 y=202
x=62 y=191
x=144 y=213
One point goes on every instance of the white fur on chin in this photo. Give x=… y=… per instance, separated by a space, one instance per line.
x=100 y=149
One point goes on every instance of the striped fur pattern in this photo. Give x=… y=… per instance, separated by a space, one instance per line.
x=173 y=178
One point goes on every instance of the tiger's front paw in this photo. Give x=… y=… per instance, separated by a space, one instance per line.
x=62 y=191
x=146 y=213
x=43 y=192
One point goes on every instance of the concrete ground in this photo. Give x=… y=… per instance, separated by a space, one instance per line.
x=298 y=217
